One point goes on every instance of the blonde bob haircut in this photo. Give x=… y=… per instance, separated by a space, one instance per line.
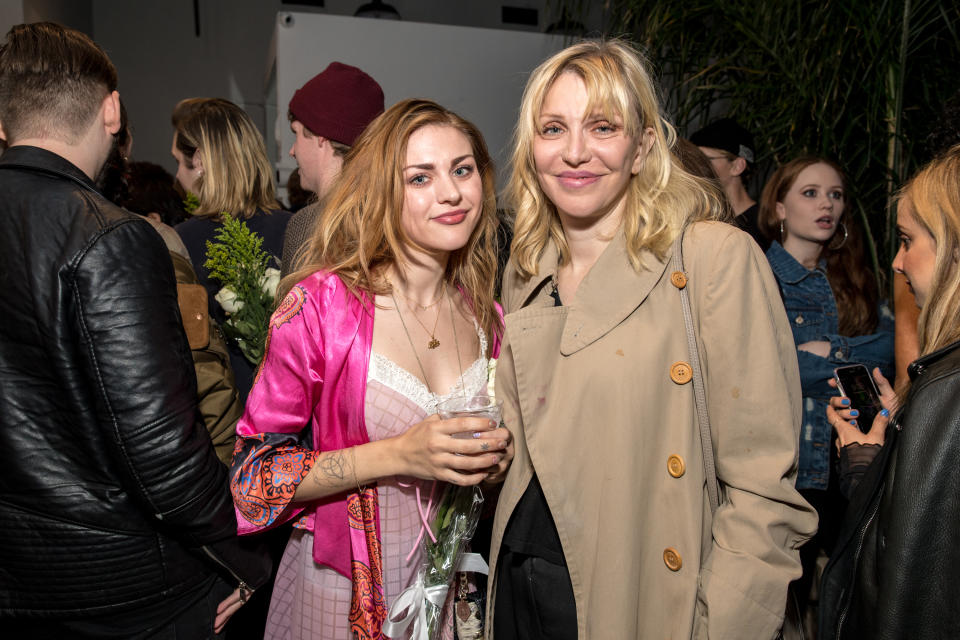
x=237 y=178
x=661 y=198
x=359 y=233
x=933 y=195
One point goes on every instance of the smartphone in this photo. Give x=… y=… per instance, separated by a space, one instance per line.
x=855 y=382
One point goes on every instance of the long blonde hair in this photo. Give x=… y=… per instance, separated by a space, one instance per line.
x=934 y=197
x=237 y=178
x=359 y=232
x=661 y=198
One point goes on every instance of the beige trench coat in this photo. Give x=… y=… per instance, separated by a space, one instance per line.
x=589 y=397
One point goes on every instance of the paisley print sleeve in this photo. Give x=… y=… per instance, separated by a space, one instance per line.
x=267 y=468
x=273 y=453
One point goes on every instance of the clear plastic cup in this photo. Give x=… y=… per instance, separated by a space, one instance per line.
x=470 y=407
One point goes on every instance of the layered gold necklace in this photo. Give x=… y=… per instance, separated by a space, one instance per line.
x=433 y=343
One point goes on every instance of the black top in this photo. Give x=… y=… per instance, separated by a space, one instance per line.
x=747 y=221
x=531 y=530
x=195 y=233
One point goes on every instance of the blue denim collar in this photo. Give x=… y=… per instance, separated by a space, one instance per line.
x=786 y=267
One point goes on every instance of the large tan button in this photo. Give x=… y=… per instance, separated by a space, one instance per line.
x=671 y=558
x=680 y=372
x=675 y=466
x=678 y=279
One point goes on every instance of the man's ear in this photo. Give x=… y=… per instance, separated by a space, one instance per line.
x=197 y=161
x=738 y=166
x=111 y=112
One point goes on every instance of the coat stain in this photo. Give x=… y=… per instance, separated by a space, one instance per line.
x=619 y=352
x=735 y=392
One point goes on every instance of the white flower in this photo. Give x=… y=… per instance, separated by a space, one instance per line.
x=228 y=300
x=270 y=282
x=491 y=375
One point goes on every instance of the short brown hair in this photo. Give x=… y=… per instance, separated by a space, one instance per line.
x=339 y=148
x=52 y=81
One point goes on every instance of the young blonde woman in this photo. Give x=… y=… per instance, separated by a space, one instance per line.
x=391 y=313
x=893 y=571
x=222 y=160
x=604 y=528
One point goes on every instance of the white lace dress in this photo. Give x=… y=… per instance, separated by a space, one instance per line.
x=313 y=601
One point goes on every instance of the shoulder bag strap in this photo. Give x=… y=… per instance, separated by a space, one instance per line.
x=703 y=418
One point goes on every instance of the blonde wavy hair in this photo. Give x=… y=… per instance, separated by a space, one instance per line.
x=359 y=233
x=661 y=199
x=237 y=178
x=933 y=194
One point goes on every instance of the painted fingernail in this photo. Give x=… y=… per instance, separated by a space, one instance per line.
x=503 y=444
x=854 y=413
x=845 y=401
x=853 y=422
x=493 y=424
x=885 y=413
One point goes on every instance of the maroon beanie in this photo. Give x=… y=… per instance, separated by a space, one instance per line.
x=338 y=103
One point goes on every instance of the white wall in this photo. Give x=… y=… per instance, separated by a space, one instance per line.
x=478 y=73
x=161 y=60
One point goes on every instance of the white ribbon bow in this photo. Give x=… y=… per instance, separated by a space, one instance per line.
x=411 y=605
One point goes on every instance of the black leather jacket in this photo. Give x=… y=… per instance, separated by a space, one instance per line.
x=894 y=571
x=111 y=496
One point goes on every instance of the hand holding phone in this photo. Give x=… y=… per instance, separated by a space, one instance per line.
x=855 y=382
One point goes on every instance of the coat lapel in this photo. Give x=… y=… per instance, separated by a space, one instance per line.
x=610 y=292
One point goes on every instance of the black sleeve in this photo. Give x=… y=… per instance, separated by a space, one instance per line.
x=145 y=391
x=853 y=462
x=918 y=560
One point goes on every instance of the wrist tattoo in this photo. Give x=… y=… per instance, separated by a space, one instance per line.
x=332 y=469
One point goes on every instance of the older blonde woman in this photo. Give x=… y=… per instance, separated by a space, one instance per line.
x=604 y=529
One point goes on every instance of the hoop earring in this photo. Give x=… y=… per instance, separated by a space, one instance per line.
x=842 y=242
x=781 y=232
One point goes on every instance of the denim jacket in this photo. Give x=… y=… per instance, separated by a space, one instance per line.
x=812 y=311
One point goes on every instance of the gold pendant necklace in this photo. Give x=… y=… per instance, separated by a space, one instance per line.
x=456 y=340
x=433 y=343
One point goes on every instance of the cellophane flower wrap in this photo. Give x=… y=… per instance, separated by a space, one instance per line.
x=421 y=607
x=237 y=260
x=453 y=527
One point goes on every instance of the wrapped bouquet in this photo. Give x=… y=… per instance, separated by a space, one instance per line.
x=452 y=527
x=238 y=261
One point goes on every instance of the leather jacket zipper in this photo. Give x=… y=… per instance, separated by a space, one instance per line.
x=856 y=556
x=245 y=589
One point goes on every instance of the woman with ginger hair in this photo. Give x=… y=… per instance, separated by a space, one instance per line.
x=604 y=527
x=392 y=312
x=818 y=256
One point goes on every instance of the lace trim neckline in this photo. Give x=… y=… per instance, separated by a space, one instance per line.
x=471 y=381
